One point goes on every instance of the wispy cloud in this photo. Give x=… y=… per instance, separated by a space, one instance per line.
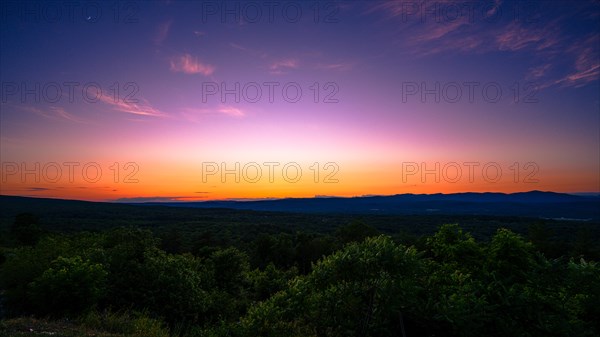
x=560 y=57
x=140 y=108
x=516 y=37
x=539 y=71
x=51 y=112
x=162 y=32
x=231 y=111
x=587 y=63
x=581 y=77
x=427 y=31
x=196 y=115
x=341 y=66
x=191 y=65
x=279 y=67
x=59 y=111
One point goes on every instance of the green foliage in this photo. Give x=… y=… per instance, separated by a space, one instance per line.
x=264 y=283
x=228 y=268
x=123 y=251
x=584 y=244
x=509 y=257
x=583 y=288
x=143 y=277
x=451 y=244
x=69 y=286
x=171 y=287
x=356 y=231
x=302 y=283
x=276 y=249
x=171 y=241
x=361 y=290
x=23 y=265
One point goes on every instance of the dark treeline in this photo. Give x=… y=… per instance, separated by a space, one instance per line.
x=350 y=281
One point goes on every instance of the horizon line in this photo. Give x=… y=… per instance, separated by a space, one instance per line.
x=170 y=199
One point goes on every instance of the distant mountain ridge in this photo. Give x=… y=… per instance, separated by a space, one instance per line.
x=532 y=203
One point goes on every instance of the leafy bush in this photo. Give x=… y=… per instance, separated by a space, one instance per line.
x=363 y=289
x=69 y=286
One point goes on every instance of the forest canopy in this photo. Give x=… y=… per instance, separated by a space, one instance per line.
x=352 y=282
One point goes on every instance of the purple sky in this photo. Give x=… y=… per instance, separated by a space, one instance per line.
x=384 y=96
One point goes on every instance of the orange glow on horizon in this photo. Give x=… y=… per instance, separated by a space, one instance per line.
x=259 y=180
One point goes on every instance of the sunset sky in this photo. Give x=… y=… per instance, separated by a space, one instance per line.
x=153 y=100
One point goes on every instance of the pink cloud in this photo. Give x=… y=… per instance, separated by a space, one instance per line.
x=231 y=111
x=582 y=77
x=190 y=65
x=516 y=37
x=464 y=34
x=539 y=71
x=587 y=62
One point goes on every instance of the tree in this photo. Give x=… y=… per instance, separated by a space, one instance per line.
x=229 y=267
x=510 y=258
x=23 y=265
x=451 y=245
x=366 y=289
x=171 y=241
x=172 y=288
x=69 y=286
x=356 y=231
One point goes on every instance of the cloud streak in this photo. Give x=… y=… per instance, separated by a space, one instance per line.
x=52 y=112
x=195 y=115
x=545 y=39
x=231 y=111
x=280 y=66
x=140 y=108
x=62 y=113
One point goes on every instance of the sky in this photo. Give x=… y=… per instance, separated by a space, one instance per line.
x=203 y=100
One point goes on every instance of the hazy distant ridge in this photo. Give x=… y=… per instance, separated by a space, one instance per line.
x=533 y=203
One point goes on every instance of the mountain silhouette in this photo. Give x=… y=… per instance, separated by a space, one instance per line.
x=532 y=203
